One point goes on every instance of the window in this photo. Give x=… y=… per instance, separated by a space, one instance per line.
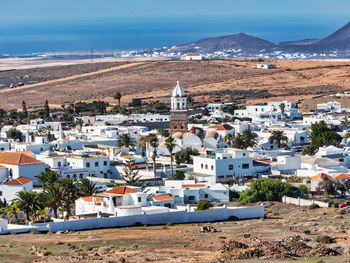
x=0 y=193
x=243 y=154
x=2 y=149
x=59 y=164
x=230 y=167
x=96 y=164
x=139 y=199
x=206 y=196
x=87 y=165
x=201 y=166
x=245 y=166
x=206 y=167
x=341 y=160
x=212 y=167
x=221 y=177
x=105 y=163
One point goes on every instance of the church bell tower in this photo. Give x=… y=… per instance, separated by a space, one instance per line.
x=178 y=121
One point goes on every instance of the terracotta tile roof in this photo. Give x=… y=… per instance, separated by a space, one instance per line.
x=343 y=176
x=29 y=153
x=320 y=176
x=194 y=185
x=224 y=127
x=161 y=198
x=19 y=181
x=17 y=158
x=192 y=54
x=89 y=198
x=2 y=167
x=121 y=190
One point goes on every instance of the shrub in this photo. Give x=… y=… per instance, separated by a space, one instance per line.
x=203 y=205
x=267 y=190
x=313 y=206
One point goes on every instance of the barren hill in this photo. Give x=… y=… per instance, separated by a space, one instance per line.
x=212 y=80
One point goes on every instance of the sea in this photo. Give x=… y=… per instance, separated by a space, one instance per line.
x=140 y=33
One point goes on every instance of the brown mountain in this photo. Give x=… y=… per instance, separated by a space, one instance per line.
x=213 y=44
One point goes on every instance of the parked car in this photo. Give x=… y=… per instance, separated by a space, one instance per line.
x=346 y=203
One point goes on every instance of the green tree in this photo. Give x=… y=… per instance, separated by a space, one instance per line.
x=46 y=110
x=267 y=190
x=86 y=187
x=184 y=156
x=203 y=205
x=24 y=109
x=70 y=191
x=28 y=203
x=142 y=143
x=250 y=138
x=154 y=143
x=118 y=96
x=125 y=140
x=189 y=100
x=14 y=134
x=238 y=141
x=205 y=112
x=170 y=144
x=131 y=173
x=178 y=175
x=12 y=210
x=321 y=135
x=340 y=186
x=54 y=198
x=229 y=139
x=327 y=186
x=278 y=136
x=164 y=133
x=46 y=179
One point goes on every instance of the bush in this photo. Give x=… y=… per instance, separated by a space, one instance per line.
x=267 y=190
x=313 y=206
x=178 y=175
x=325 y=239
x=203 y=205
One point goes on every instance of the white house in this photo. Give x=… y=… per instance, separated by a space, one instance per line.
x=265 y=66
x=21 y=165
x=193 y=56
x=222 y=165
x=97 y=165
x=329 y=106
x=9 y=190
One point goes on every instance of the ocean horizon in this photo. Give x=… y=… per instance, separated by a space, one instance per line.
x=112 y=34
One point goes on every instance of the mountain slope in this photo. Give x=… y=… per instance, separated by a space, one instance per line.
x=213 y=44
x=303 y=42
x=339 y=39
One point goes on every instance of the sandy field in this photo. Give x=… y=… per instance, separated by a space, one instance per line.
x=228 y=80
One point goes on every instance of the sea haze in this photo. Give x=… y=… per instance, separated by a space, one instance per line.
x=145 y=33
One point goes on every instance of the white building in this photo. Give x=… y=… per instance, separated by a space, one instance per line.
x=329 y=106
x=223 y=165
x=265 y=66
x=192 y=56
x=96 y=165
x=9 y=189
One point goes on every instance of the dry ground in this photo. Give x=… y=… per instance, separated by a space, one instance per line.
x=181 y=243
x=224 y=80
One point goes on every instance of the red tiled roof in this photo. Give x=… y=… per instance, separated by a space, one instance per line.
x=321 y=175
x=194 y=185
x=19 y=181
x=121 y=190
x=17 y=158
x=192 y=54
x=29 y=153
x=161 y=198
x=90 y=198
x=343 y=176
x=2 y=167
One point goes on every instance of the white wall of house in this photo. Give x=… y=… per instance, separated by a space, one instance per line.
x=97 y=166
x=4 y=146
x=9 y=192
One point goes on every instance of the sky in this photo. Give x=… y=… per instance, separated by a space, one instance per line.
x=33 y=11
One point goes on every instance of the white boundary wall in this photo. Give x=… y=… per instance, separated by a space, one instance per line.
x=216 y=214
x=303 y=202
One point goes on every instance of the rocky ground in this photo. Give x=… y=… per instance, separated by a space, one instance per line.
x=230 y=80
x=288 y=233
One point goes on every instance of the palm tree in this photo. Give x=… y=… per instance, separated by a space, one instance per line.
x=46 y=179
x=278 y=136
x=164 y=133
x=154 y=143
x=170 y=145
x=12 y=210
x=126 y=140
x=249 y=138
x=282 y=108
x=142 y=143
x=70 y=193
x=28 y=203
x=86 y=187
x=238 y=142
x=3 y=205
x=54 y=198
x=229 y=139
x=118 y=96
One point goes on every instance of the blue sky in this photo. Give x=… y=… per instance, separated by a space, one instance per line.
x=27 y=11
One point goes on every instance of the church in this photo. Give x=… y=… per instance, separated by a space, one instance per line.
x=178 y=116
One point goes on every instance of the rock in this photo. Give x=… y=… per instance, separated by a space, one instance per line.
x=307 y=232
x=246 y=235
x=338 y=217
x=325 y=239
x=104 y=249
x=59 y=232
